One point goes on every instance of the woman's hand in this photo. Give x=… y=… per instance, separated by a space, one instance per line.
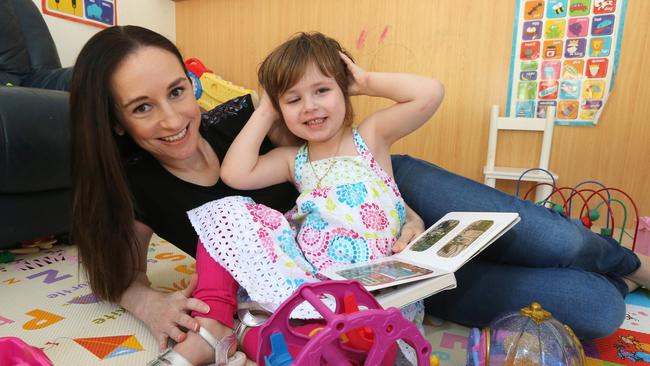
x=413 y=227
x=166 y=314
x=163 y=313
x=359 y=76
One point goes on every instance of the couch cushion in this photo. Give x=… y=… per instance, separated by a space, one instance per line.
x=34 y=140
x=14 y=60
x=56 y=79
x=39 y=44
x=34 y=215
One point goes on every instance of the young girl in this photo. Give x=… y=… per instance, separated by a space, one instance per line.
x=349 y=209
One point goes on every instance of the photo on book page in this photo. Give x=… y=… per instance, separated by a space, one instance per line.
x=466 y=237
x=432 y=237
x=382 y=273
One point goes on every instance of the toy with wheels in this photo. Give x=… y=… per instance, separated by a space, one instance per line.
x=528 y=337
x=195 y=69
x=211 y=90
x=347 y=337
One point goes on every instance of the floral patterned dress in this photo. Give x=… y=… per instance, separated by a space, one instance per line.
x=349 y=211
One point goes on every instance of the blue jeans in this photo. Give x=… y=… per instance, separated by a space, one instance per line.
x=572 y=272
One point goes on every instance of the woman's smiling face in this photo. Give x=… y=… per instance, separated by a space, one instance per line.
x=156 y=105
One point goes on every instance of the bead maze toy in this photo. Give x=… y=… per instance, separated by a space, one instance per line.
x=591 y=200
x=211 y=90
x=356 y=332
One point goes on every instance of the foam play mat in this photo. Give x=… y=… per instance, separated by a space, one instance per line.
x=46 y=301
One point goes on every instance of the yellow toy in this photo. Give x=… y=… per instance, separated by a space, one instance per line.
x=217 y=91
x=211 y=90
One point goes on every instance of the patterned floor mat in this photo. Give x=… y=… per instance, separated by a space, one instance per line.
x=46 y=302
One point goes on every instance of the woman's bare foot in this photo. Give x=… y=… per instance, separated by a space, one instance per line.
x=196 y=349
x=642 y=275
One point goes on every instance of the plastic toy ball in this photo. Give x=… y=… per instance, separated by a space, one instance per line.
x=530 y=337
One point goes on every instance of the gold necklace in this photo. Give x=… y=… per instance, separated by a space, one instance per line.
x=332 y=163
x=319 y=179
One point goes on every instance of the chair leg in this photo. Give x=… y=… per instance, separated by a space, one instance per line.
x=490 y=182
x=542 y=192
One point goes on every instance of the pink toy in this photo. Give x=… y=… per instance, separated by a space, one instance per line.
x=13 y=351
x=329 y=343
x=643 y=236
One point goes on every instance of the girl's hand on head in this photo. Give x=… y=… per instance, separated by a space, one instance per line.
x=167 y=316
x=278 y=133
x=266 y=106
x=265 y=114
x=359 y=76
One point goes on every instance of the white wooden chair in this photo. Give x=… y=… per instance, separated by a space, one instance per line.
x=544 y=125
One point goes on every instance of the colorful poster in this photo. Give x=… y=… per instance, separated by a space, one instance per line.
x=564 y=54
x=99 y=13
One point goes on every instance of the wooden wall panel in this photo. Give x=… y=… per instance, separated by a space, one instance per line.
x=464 y=43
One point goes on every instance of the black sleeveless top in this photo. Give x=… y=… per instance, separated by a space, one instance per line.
x=162 y=199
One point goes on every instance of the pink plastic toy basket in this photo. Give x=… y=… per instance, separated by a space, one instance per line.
x=15 y=352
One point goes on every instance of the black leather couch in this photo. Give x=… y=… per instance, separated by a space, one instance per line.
x=34 y=128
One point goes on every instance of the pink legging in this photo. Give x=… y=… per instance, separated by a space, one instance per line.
x=216 y=288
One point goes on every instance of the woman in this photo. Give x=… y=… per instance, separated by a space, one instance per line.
x=143 y=156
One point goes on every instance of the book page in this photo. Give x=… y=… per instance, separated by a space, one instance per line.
x=383 y=273
x=456 y=238
x=441 y=249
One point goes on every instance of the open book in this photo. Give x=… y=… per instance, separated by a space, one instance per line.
x=427 y=264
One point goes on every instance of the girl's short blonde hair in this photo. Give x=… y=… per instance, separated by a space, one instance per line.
x=286 y=64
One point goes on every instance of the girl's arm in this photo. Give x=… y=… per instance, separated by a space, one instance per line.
x=416 y=97
x=243 y=167
x=163 y=313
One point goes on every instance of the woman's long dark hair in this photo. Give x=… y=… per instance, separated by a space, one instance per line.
x=103 y=215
